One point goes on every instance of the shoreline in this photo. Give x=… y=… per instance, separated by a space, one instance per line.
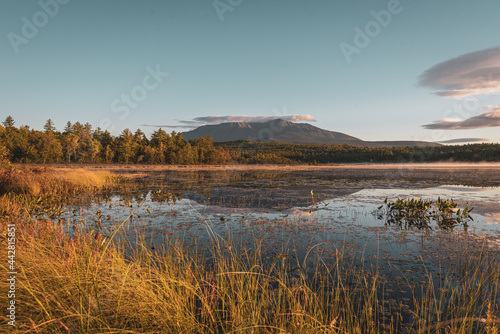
x=374 y=166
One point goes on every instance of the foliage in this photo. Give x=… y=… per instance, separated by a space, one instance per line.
x=80 y=143
x=245 y=151
x=420 y=213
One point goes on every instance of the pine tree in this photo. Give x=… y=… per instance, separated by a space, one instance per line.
x=9 y=122
x=68 y=128
x=49 y=126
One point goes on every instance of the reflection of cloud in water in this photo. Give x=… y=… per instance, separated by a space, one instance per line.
x=492 y=218
x=465 y=189
x=299 y=212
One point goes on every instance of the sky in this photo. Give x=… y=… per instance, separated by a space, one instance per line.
x=376 y=70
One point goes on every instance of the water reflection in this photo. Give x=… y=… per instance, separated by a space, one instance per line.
x=278 y=210
x=279 y=207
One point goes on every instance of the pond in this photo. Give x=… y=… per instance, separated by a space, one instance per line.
x=311 y=215
x=297 y=209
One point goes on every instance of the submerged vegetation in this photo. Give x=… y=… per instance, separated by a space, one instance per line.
x=81 y=143
x=420 y=213
x=89 y=282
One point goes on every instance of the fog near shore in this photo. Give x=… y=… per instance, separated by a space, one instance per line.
x=432 y=164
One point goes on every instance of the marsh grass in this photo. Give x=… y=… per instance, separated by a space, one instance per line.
x=24 y=188
x=36 y=181
x=87 y=283
x=80 y=285
x=419 y=213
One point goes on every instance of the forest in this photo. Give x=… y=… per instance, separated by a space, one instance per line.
x=80 y=143
x=283 y=153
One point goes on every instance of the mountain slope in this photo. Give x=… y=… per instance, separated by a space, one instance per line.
x=286 y=132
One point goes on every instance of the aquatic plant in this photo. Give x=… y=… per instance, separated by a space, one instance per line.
x=318 y=202
x=420 y=213
x=40 y=191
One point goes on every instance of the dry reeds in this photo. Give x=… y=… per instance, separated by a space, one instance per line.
x=85 y=283
x=35 y=181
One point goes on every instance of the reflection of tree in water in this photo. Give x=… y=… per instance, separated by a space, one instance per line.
x=267 y=189
x=277 y=190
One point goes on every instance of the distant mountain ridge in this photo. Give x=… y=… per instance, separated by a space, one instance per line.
x=279 y=130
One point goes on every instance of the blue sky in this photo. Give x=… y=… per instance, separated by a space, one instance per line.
x=92 y=61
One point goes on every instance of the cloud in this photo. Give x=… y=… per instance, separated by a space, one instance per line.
x=171 y=126
x=464 y=140
x=199 y=121
x=487 y=119
x=249 y=119
x=471 y=74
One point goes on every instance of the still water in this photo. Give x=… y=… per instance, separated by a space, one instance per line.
x=312 y=216
x=309 y=213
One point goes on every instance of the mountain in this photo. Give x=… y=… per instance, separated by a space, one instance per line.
x=286 y=132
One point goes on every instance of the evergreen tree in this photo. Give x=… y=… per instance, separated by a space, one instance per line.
x=70 y=144
x=68 y=128
x=9 y=122
x=126 y=146
x=49 y=126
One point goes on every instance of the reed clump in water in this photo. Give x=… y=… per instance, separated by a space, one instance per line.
x=36 y=181
x=22 y=187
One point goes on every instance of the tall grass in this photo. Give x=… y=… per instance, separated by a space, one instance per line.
x=78 y=285
x=23 y=187
x=85 y=283
x=36 y=181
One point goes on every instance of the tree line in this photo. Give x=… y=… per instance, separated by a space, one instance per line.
x=80 y=143
x=283 y=153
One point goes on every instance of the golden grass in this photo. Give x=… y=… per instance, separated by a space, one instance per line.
x=84 y=283
x=79 y=285
x=35 y=181
x=22 y=187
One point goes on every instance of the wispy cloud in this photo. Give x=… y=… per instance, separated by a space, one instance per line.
x=204 y=120
x=471 y=74
x=464 y=140
x=487 y=119
x=250 y=119
x=171 y=126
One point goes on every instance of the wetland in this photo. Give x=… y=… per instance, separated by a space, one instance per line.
x=323 y=226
